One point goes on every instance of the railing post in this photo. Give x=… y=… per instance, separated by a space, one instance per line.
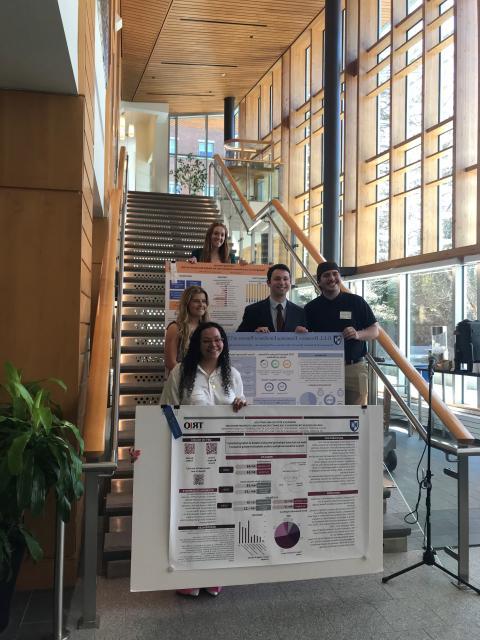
x=89 y=619
x=463 y=518
x=59 y=633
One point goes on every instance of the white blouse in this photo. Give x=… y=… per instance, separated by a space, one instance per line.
x=207 y=389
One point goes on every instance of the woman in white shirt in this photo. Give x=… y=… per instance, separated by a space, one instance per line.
x=205 y=377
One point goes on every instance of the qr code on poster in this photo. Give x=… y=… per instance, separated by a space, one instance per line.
x=211 y=447
x=189 y=448
x=198 y=479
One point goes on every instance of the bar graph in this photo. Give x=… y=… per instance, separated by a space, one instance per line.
x=245 y=536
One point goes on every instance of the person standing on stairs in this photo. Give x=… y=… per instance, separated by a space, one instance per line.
x=206 y=378
x=275 y=313
x=215 y=248
x=192 y=311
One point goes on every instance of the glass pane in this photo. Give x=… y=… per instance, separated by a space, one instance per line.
x=413 y=223
x=432 y=302
x=384 y=23
x=383 y=295
x=472 y=291
x=382 y=232
x=412 y=5
x=446 y=83
x=191 y=131
x=171 y=179
x=445 y=226
x=413 y=107
x=383 y=120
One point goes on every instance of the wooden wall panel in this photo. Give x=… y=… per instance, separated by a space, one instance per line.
x=40 y=279
x=35 y=128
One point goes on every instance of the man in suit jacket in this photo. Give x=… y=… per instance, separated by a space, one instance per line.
x=276 y=313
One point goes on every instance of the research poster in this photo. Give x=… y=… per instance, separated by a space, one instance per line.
x=254 y=490
x=230 y=288
x=290 y=368
x=270 y=494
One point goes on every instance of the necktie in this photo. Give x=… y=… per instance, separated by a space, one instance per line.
x=280 y=322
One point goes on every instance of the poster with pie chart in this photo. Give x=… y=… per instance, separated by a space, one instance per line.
x=286 y=535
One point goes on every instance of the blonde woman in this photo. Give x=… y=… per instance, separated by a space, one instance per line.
x=192 y=311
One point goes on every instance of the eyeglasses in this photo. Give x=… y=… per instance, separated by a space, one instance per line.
x=214 y=341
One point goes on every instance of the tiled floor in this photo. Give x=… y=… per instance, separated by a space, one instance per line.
x=421 y=605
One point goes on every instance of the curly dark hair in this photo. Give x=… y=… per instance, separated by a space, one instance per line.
x=188 y=368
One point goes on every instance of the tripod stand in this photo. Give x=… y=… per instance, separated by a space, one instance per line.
x=429 y=554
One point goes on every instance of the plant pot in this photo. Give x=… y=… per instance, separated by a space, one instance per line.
x=7 y=587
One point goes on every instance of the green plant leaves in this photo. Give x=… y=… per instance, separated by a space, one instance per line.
x=39 y=451
x=33 y=547
x=15 y=453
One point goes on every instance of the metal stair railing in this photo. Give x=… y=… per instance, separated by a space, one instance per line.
x=463 y=442
x=95 y=470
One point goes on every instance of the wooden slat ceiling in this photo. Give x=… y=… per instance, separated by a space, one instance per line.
x=193 y=53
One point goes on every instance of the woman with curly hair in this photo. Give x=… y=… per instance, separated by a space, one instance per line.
x=205 y=377
x=192 y=311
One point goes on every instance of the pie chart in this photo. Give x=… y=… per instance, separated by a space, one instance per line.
x=287 y=535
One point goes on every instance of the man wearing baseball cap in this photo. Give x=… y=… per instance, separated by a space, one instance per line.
x=347 y=313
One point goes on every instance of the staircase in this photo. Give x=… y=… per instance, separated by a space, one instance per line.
x=159 y=227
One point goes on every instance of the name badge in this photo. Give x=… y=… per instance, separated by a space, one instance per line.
x=345 y=315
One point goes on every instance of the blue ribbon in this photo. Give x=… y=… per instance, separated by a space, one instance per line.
x=172 y=421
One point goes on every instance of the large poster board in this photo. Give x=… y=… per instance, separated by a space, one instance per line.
x=290 y=368
x=302 y=498
x=230 y=288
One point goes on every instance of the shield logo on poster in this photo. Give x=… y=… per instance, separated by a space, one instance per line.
x=354 y=425
x=337 y=340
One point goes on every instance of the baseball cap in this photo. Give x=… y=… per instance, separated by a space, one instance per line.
x=327 y=266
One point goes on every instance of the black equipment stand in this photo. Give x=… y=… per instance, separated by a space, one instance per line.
x=429 y=554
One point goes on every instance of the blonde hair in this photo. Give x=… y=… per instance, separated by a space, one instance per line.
x=223 y=251
x=183 y=316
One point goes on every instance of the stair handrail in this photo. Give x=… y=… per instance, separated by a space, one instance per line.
x=98 y=380
x=459 y=432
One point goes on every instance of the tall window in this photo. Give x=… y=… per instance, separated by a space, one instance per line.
x=307 y=73
x=200 y=135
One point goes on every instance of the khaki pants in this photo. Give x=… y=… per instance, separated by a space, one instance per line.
x=356 y=383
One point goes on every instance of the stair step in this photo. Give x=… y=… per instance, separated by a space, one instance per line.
x=124 y=469
x=151 y=258
x=132 y=328
x=132 y=362
x=126 y=432
x=121 y=485
x=144 y=287
x=158 y=268
x=117 y=543
x=133 y=400
x=118 y=503
x=143 y=313
x=119 y=523
x=141 y=382
x=152 y=217
x=142 y=344
x=159 y=248
x=143 y=300
x=141 y=276
x=128 y=403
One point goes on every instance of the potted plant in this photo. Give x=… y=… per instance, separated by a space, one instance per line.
x=191 y=174
x=39 y=451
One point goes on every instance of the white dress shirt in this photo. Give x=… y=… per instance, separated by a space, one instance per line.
x=207 y=389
